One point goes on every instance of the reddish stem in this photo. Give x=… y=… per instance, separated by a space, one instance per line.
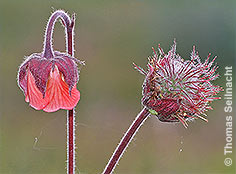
x=47 y=48
x=139 y=120
x=70 y=142
x=70 y=115
x=70 y=38
x=48 y=53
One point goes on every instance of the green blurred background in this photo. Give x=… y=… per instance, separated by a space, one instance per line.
x=109 y=36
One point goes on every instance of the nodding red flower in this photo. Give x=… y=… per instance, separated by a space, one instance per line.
x=178 y=90
x=48 y=79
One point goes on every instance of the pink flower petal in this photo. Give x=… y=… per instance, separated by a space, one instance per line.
x=57 y=93
x=27 y=98
x=33 y=95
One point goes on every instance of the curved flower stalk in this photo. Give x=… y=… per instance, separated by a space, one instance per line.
x=48 y=79
x=174 y=90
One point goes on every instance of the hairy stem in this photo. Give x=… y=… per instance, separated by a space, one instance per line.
x=47 y=48
x=70 y=37
x=70 y=142
x=70 y=113
x=139 y=120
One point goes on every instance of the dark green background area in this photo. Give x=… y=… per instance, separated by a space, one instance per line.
x=109 y=36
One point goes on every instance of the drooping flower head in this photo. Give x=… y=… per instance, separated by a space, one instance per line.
x=178 y=90
x=48 y=79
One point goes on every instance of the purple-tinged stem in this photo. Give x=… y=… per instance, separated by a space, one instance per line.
x=70 y=36
x=70 y=142
x=70 y=113
x=139 y=120
x=47 y=48
x=48 y=53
